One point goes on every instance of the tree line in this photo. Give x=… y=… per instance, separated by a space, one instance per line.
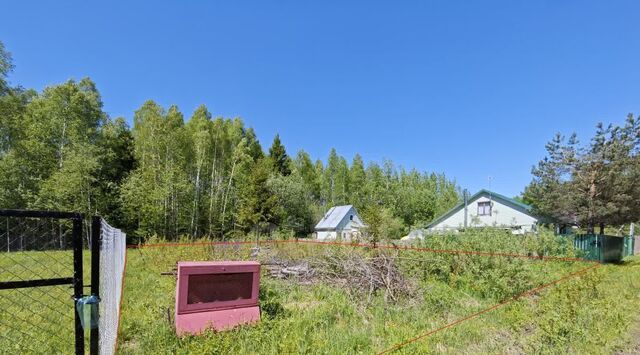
x=201 y=176
x=590 y=185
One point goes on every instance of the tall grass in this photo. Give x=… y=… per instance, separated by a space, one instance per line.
x=587 y=314
x=323 y=318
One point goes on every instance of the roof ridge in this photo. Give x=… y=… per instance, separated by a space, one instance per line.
x=334 y=216
x=459 y=205
x=513 y=200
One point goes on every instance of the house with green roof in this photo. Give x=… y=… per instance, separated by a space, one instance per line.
x=487 y=209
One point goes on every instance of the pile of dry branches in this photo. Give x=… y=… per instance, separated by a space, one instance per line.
x=366 y=274
x=359 y=273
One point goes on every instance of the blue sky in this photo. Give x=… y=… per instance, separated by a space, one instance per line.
x=469 y=88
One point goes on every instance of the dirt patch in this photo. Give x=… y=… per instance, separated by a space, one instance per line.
x=633 y=346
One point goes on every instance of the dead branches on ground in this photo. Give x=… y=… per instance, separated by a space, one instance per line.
x=359 y=273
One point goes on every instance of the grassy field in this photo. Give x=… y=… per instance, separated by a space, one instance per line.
x=38 y=319
x=591 y=313
x=596 y=312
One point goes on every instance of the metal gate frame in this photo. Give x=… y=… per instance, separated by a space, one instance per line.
x=96 y=225
x=77 y=279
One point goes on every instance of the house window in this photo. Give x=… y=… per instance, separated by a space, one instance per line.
x=351 y=217
x=484 y=208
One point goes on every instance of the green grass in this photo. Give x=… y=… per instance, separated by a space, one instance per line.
x=323 y=318
x=38 y=319
x=594 y=313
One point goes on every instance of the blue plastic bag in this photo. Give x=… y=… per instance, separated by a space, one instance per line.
x=87 y=308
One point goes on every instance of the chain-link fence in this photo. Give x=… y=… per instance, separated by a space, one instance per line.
x=112 y=260
x=44 y=267
x=40 y=276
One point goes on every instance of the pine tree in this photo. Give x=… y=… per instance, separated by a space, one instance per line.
x=551 y=194
x=592 y=185
x=256 y=204
x=279 y=157
x=255 y=150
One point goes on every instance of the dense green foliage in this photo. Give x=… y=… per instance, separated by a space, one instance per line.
x=592 y=185
x=201 y=176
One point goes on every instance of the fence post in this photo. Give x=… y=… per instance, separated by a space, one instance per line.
x=96 y=224
x=632 y=235
x=77 y=282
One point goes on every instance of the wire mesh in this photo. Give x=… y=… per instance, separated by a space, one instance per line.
x=36 y=319
x=112 y=260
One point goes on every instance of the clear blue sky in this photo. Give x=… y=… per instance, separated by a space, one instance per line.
x=468 y=88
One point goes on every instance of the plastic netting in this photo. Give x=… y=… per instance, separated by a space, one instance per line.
x=112 y=260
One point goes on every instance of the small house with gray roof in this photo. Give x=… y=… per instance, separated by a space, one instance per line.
x=487 y=209
x=340 y=222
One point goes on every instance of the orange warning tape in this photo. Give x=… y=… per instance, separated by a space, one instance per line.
x=477 y=314
x=366 y=245
x=410 y=248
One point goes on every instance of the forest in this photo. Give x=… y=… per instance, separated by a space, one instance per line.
x=202 y=176
x=208 y=176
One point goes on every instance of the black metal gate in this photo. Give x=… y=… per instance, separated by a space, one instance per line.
x=41 y=279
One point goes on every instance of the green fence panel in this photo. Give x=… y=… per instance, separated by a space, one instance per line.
x=604 y=248
x=589 y=245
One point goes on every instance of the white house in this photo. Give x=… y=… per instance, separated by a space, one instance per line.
x=487 y=209
x=340 y=222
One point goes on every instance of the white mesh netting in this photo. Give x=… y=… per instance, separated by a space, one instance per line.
x=112 y=259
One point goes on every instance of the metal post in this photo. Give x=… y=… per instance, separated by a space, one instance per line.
x=77 y=282
x=466 y=205
x=632 y=231
x=96 y=224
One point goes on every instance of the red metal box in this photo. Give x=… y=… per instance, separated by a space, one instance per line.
x=218 y=295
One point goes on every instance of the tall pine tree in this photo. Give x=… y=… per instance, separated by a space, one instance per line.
x=279 y=157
